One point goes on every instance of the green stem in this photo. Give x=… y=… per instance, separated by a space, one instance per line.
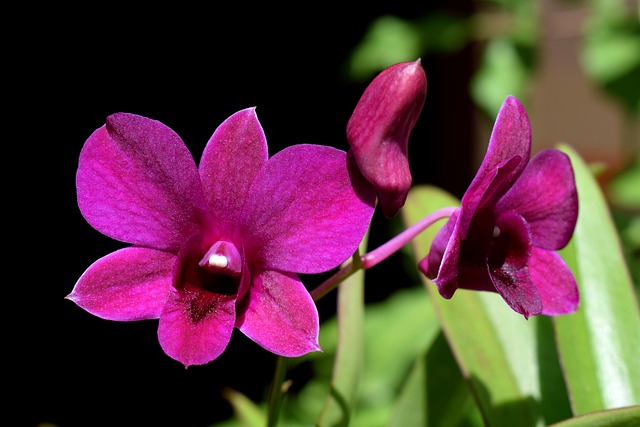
x=276 y=393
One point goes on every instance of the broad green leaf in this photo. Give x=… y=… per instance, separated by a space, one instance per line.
x=621 y=417
x=411 y=408
x=349 y=356
x=435 y=394
x=499 y=353
x=393 y=345
x=600 y=343
x=397 y=331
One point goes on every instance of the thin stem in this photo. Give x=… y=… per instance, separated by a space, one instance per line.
x=381 y=253
x=394 y=245
x=337 y=277
x=278 y=387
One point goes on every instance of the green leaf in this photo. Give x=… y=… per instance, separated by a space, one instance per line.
x=623 y=417
x=503 y=71
x=388 y=40
x=348 y=362
x=247 y=413
x=411 y=408
x=435 y=394
x=600 y=343
x=623 y=189
x=501 y=355
x=397 y=330
x=611 y=51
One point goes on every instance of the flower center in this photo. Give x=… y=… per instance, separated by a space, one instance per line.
x=222 y=257
x=218 y=271
x=218 y=261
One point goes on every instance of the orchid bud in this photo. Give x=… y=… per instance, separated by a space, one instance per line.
x=379 y=128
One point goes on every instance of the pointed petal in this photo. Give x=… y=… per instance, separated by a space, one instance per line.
x=447 y=279
x=231 y=159
x=138 y=183
x=304 y=211
x=555 y=282
x=280 y=315
x=510 y=139
x=507 y=266
x=545 y=194
x=195 y=326
x=129 y=284
x=430 y=265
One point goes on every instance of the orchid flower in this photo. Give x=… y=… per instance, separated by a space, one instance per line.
x=379 y=129
x=513 y=218
x=219 y=246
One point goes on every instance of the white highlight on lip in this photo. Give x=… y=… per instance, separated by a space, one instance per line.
x=219 y=261
x=496 y=231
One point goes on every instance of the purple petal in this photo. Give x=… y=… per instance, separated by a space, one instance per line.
x=545 y=194
x=510 y=138
x=555 y=282
x=233 y=156
x=279 y=315
x=447 y=279
x=507 y=265
x=304 y=211
x=129 y=284
x=137 y=183
x=379 y=129
x=430 y=265
x=196 y=327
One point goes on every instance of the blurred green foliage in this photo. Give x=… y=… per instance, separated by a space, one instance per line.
x=509 y=33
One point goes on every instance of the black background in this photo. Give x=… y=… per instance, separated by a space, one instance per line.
x=189 y=69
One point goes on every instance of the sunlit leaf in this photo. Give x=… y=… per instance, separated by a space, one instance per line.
x=623 y=417
x=600 y=343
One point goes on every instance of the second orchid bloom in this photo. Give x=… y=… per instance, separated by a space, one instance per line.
x=513 y=218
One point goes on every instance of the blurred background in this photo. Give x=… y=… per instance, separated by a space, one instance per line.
x=574 y=64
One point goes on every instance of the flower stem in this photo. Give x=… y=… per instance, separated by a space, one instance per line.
x=337 y=277
x=278 y=388
x=381 y=253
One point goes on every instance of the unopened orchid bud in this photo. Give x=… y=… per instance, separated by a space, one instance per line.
x=379 y=129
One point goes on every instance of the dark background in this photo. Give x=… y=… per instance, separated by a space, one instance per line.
x=189 y=69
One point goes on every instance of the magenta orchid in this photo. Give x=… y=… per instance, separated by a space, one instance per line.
x=219 y=246
x=379 y=129
x=513 y=218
